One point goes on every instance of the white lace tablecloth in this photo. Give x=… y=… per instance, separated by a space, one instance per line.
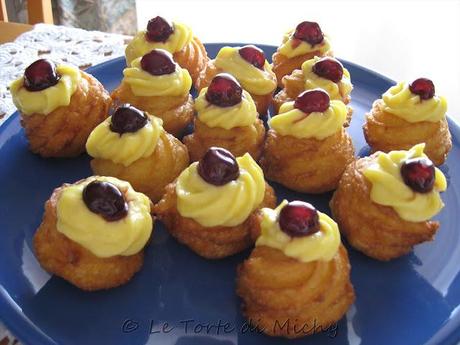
x=75 y=46
x=61 y=44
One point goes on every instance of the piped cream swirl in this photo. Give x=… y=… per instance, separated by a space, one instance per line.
x=292 y=47
x=104 y=239
x=322 y=245
x=316 y=125
x=239 y=115
x=400 y=101
x=389 y=189
x=227 y=205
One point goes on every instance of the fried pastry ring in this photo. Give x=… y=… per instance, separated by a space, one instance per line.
x=237 y=140
x=374 y=229
x=282 y=65
x=285 y=297
x=209 y=242
x=307 y=165
x=176 y=112
x=65 y=258
x=386 y=132
x=193 y=57
x=294 y=86
x=63 y=132
x=262 y=101
x=151 y=174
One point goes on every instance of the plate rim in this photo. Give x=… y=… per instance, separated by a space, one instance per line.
x=448 y=333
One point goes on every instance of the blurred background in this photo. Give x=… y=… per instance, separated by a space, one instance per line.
x=403 y=39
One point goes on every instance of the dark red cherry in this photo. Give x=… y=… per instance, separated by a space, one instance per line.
x=158 y=62
x=423 y=87
x=105 y=199
x=127 y=119
x=224 y=91
x=159 y=29
x=328 y=68
x=255 y=56
x=40 y=75
x=309 y=32
x=218 y=166
x=298 y=219
x=312 y=100
x=418 y=174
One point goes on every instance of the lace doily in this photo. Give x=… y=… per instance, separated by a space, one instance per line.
x=61 y=44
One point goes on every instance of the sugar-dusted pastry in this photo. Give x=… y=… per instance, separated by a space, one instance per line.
x=156 y=84
x=325 y=73
x=384 y=203
x=297 y=279
x=249 y=66
x=307 y=147
x=59 y=106
x=93 y=232
x=176 y=38
x=298 y=46
x=132 y=145
x=209 y=207
x=226 y=117
x=409 y=114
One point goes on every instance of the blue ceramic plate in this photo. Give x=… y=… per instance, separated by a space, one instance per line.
x=180 y=298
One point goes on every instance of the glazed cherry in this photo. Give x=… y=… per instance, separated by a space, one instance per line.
x=106 y=200
x=224 y=91
x=159 y=29
x=328 y=68
x=418 y=174
x=158 y=62
x=218 y=166
x=309 y=32
x=298 y=219
x=255 y=56
x=40 y=75
x=312 y=100
x=423 y=87
x=127 y=119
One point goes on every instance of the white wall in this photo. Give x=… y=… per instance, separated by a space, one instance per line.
x=400 y=39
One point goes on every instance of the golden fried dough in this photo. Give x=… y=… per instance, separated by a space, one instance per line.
x=213 y=242
x=149 y=175
x=285 y=297
x=238 y=140
x=65 y=258
x=373 y=229
x=306 y=165
x=262 y=101
x=63 y=132
x=176 y=112
x=193 y=58
x=282 y=65
x=386 y=132
x=293 y=85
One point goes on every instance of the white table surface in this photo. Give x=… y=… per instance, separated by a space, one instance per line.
x=403 y=40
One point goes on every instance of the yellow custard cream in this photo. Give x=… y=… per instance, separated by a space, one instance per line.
x=227 y=205
x=139 y=46
x=47 y=100
x=316 y=125
x=252 y=79
x=400 y=101
x=322 y=245
x=239 y=115
x=124 y=148
x=144 y=84
x=292 y=47
x=104 y=239
x=389 y=189
x=337 y=91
